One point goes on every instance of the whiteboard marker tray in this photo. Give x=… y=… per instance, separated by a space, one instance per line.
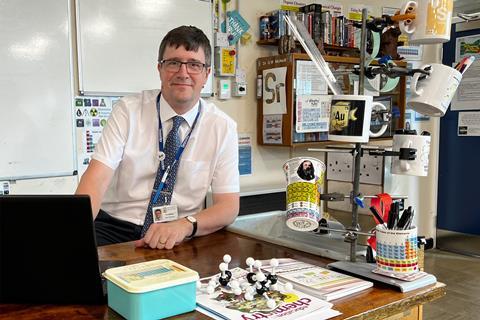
x=271 y=227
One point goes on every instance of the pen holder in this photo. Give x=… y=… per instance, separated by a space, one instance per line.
x=397 y=250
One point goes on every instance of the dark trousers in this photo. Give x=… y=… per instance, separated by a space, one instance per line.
x=110 y=230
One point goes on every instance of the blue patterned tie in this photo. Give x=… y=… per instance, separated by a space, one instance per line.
x=171 y=146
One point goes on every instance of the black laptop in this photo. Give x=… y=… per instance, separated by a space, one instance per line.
x=48 y=252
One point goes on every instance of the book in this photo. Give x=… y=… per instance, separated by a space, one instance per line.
x=224 y=304
x=314 y=13
x=319 y=282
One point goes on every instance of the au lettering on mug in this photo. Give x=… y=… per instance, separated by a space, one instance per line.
x=350 y=118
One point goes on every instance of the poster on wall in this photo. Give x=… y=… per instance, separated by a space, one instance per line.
x=274 y=92
x=244 y=154
x=91 y=115
x=272 y=129
x=467 y=46
x=308 y=79
x=411 y=52
x=313 y=113
x=467 y=96
x=469 y=124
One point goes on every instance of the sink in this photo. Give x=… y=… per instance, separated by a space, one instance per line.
x=271 y=227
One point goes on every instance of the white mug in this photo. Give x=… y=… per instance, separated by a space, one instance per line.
x=432 y=96
x=410 y=139
x=350 y=117
x=432 y=23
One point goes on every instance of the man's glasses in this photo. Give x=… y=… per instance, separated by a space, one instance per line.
x=174 y=66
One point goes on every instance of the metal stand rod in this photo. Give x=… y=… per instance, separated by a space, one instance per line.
x=346 y=231
x=352 y=237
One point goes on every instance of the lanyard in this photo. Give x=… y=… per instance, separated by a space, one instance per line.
x=179 y=152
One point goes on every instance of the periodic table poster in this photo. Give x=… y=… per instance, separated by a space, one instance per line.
x=91 y=115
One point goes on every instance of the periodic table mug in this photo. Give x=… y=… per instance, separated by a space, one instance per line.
x=397 y=250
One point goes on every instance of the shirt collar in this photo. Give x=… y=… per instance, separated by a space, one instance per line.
x=166 y=112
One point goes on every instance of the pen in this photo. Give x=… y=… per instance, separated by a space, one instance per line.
x=391 y=216
x=377 y=215
x=397 y=214
x=402 y=222
x=409 y=222
x=467 y=64
x=460 y=64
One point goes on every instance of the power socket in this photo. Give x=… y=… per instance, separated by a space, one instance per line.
x=371 y=170
x=239 y=89
x=340 y=168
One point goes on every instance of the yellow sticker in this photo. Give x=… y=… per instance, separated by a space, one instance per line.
x=228 y=61
x=339 y=115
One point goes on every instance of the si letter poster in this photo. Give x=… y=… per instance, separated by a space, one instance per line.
x=274 y=92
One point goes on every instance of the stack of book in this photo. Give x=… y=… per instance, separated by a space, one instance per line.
x=223 y=303
x=317 y=281
x=323 y=26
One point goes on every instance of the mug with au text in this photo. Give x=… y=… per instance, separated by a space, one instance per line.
x=305 y=176
x=432 y=95
x=421 y=143
x=350 y=117
x=433 y=19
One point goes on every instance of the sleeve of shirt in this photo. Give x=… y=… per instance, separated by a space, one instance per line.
x=226 y=176
x=110 y=146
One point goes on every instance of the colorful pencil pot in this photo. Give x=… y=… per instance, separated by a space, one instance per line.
x=305 y=178
x=397 y=250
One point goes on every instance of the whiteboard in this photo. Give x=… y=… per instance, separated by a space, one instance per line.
x=36 y=119
x=118 y=41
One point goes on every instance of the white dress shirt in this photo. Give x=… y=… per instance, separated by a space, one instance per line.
x=129 y=145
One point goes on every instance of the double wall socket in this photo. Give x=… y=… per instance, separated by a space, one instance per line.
x=340 y=167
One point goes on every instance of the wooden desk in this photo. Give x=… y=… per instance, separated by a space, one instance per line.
x=204 y=254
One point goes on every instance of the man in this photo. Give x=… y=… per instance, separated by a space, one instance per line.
x=138 y=167
x=306 y=171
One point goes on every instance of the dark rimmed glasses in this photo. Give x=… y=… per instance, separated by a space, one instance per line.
x=193 y=67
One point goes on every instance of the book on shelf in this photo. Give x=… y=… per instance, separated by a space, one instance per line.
x=313 y=14
x=319 y=282
x=224 y=304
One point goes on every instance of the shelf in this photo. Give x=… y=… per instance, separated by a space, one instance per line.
x=288 y=118
x=274 y=42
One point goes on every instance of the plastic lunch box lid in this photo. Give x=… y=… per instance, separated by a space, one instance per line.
x=150 y=275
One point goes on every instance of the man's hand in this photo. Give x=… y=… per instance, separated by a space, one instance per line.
x=165 y=235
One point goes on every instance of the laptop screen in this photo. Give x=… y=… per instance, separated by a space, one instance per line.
x=48 y=252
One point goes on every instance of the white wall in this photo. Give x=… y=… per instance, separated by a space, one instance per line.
x=268 y=161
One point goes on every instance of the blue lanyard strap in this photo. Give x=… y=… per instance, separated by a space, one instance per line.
x=179 y=152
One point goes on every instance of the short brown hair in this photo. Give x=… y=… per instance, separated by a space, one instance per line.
x=190 y=37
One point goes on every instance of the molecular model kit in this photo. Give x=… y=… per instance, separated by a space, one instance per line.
x=249 y=284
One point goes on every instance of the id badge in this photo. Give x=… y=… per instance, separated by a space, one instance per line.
x=165 y=213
